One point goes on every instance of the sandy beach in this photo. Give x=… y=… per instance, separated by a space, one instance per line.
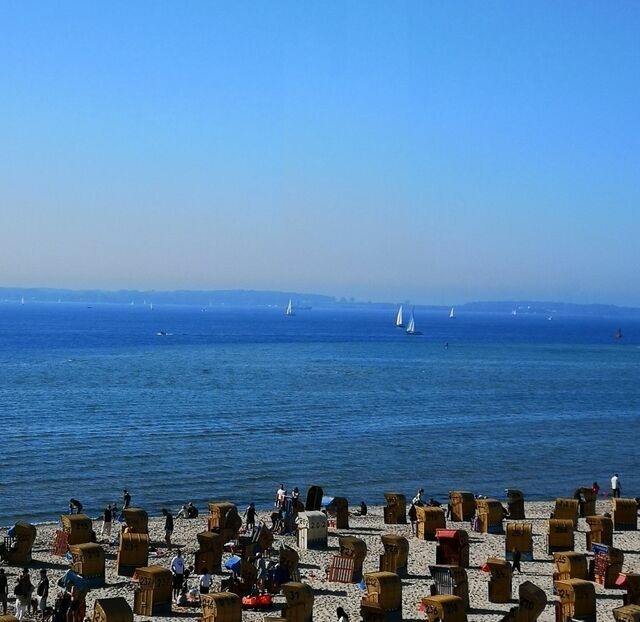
x=328 y=595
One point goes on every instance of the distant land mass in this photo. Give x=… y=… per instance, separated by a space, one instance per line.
x=301 y=301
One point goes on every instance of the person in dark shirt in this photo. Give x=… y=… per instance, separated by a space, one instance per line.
x=168 y=526
x=250 y=515
x=362 y=510
x=515 y=563
x=4 y=590
x=106 y=521
x=75 y=507
x=126 y=499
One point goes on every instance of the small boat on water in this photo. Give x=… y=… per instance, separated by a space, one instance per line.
x=289 y=309
x=452 y=313
x=619 y=334
x=399 y=321
x=411 y=326
x=163 y=333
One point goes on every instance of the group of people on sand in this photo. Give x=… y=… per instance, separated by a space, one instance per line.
x=32 y=601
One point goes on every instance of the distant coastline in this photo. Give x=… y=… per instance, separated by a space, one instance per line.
x=302 y=301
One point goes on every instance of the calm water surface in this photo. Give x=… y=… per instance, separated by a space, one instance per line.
x=232 y=402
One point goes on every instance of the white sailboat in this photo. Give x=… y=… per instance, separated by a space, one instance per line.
x=399 y=322
x=289 y=309
x=22 y=300
x=452 y=313
x=411 y=327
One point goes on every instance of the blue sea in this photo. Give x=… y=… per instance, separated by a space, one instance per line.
x=232 y=402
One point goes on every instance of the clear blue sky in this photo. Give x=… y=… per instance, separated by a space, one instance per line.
x=433 y=151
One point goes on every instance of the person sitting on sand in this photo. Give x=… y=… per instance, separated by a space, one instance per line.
x=362 y=510
x=341 y=615
x=192 y=510
x=183 y=512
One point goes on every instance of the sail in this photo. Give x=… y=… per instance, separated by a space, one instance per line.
x=452 y=313
x=411 y=328
x=399 y=322
x=289 y=309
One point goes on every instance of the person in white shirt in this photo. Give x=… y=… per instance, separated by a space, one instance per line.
x=205 y=581
x=177 y=570
x=616 y=489
x=281 y=495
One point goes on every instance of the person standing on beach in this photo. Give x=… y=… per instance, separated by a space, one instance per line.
x=23 y=591
x=106 y=521
x=281 y=495
x=250 y=516
x=616 y=489
x=205 y=581
x=43 y=591
x=413 y=517
x=515 y=563
x=4 y=591
x=168 y=526
x=126 y=499
x=417 y=500
x=177 y=570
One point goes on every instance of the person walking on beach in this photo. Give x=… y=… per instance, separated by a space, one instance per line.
x=616 y=489
x=126 y=499
x=177 y=570
x=168 y=526
x=4 y=591
x=515 y=563
x=43 y=591
x=281 y=495
x=107 y=519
